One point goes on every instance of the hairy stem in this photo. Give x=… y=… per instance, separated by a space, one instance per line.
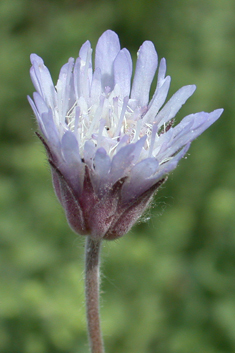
x=92 y=295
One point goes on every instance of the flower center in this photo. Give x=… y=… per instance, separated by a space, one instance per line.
x=108 y=122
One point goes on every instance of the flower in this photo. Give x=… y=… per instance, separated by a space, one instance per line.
x=109 y=147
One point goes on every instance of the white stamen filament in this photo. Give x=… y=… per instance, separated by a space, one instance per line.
x=88 y=123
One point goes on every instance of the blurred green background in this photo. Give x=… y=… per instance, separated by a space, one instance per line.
x=169 y=285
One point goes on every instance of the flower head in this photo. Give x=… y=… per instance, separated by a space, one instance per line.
x=108 y=145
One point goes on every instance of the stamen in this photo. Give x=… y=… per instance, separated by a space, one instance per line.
x=122 y=115
x=96 y=118
x=76 y=121
x=101 y=128
x=136 y=131
x=115 y=108
x=153 y=136
x=71 y=110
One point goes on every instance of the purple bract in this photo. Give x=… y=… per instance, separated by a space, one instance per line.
x=109 y=147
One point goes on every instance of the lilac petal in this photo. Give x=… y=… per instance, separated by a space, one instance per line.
x=161 y=171
x=85 y=69
x=37 y=115
x=33 y=106
x=161 y=80
x=123 y=71
x=73 y=168
x=167 y=167
x=171 y=141
x=107 y=49
x=41 y=77
x=96 y=86
x=76 y=78
x=174 y=104
x=86 y=63
x=121 y=162
x=157 y=101
x=170 y=165
x=175 y=160
x=82 y=105
x=145 y=70
x=102 y=164
x=136 y=183
x=201 y=122
x=84 y=52
x=89 y=153
x=47 y=126
x=187 y=124
x=138 y=148
x=69 y=148
x=42 y=108
x=39 y=103
x=210 y=119
x=51 y=131
x=125 y=139
x=190 y=128
x=161 y=72
x=121 y=117
x=65 y=95
x=36 y=61
x=35 y=80
x=144 y=169
x=65 y=73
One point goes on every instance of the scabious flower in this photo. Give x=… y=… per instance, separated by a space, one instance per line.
x=108 y=145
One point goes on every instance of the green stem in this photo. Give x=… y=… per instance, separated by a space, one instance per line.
x=92 y=280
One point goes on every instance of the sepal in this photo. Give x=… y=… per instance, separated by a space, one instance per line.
x=127 y=215
x=70 y=203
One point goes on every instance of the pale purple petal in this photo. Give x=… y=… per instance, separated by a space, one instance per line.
x=161 y=72
x=37 y=115
x=123 y=142
x=51 y=131
x=187 y=130
x=158 y=100
x=174 y=104
x=102 y=165
x=45 y=120
x=135 y=185
x=41 y=77
x=121 y=162
x=85 y=69
x=65 y=93
x=76 y=78
x=107 y=48
x=145 y=70
x=134 y=189
x=171 y=164
x=35 y=80
x=70 y=149
x=89 y=153
x=40 y=104
x=96 y=88
x=85 y=52
x=123 y=72
x=73 y=168
x=138 y=148
x=160 y=94
x=201 y=121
